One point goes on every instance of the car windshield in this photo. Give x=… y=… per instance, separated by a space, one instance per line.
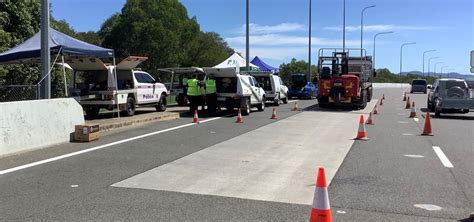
x=265 y=80
x=419 y=82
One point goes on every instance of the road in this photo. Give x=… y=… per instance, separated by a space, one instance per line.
x=259 y=170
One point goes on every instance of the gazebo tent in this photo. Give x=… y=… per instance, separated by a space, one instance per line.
x=60 y=45
x=236 y=61
x=263 y=66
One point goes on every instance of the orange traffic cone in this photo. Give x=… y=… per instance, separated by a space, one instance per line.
x=321 y=211
x=381 y=102
x=405 y=96
x=196 y=118
x=427 y=129
x=239 y=117
x=361 y=133
x=413 y=111
x=375 y=110
x=383 y=96
x=369 y=120
x=274 y=114
x=296 y=108
x=407 y=106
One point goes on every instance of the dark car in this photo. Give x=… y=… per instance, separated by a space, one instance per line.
x=419 y=85
x=301 y=88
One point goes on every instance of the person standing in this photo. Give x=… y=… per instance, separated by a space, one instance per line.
x=211 y=96
x=194 y=93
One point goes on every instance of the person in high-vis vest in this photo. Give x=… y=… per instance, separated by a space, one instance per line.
x=194 y=93
x=211 y=96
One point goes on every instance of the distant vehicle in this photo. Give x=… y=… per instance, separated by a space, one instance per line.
x=419 y=85
x=301 y=88
x=450 y=95
x=237 y=91
x=344 y=79
x=134 y=87
x=275 y=89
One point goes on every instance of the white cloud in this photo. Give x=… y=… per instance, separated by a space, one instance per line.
x=287 y=40
x=268 y=29
x=383 y=28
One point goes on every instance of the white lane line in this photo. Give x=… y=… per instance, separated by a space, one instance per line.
x=99 y=147
x=416 y=119
x=442 y=157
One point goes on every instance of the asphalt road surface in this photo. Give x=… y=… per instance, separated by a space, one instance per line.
x=260 y=170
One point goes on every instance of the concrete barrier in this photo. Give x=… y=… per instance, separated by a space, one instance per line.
x=391 y=85
x=28 y=125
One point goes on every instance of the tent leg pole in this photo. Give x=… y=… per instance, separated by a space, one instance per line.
x=171 y=87
x=64 y=75
x=115 y=93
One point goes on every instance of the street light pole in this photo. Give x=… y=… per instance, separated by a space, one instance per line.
x=247 y=41
x=45 y=81
x=436 y=65
x=344 y=27
x=375 y=37
x=401 y=54
x=432 y=50
x=362 y=27
x=429 y=63
x=309 y=44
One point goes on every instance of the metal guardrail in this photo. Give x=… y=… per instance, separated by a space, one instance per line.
x=10 y=93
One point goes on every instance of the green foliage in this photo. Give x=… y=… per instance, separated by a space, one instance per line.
x=385 y=76
x=296 y=66
x=162 y=31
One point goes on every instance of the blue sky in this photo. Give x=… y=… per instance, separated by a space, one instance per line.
x=279 y=29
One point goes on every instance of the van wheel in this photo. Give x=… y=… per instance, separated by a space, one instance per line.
x=364 y=100
x=261 y=106
x=161 y=106
x=437 y=109
x=285 y=100
x=276 y=100
x=130 y=106
x=246 y=108
x=92 y=112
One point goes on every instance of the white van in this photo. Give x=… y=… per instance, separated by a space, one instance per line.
x=275 y=89
x=236 y=91
x=134 y=87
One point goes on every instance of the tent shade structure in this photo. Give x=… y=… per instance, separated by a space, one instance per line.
x=264 y=67
x=30 y=50
x=236 y=61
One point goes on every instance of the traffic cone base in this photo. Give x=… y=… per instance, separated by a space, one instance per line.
x=427 y=131
x=321 y=210
x=274 y=115
x=375 y=110
x=361 y=133
x=404 y=96
x=295 y=108
x=381 y=102
x=196 y=117
x=408 y=106
x=239 y=117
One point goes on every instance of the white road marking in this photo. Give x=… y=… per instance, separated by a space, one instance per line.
x=442 y=157
x=413 y=156
x=341 y=212
x=402 y=122
x=429 y=207
x=416 y=119
x=100 y=147
x=293 y=100
x=408 y=134
x=74 y=186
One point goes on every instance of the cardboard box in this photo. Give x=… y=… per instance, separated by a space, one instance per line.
x=86 y=133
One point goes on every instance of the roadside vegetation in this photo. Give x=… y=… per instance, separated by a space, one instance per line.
x=385 y=76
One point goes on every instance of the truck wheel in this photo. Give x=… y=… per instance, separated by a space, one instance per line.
x=161 y=106
x=246 y=108
x=437 y=109
x=364 y=100
x=92 y=112
x=261 y=106
x=276 y=100
x=370 y=93
x=130 y=106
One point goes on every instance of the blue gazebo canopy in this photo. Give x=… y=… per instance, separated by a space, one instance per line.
x=263 y=66
x=30 y=50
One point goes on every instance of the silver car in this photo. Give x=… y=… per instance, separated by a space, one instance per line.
x=418 y=85
x=450 y=95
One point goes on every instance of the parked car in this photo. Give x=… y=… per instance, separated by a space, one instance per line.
x=450 y=95
x=134 y=88
x=275 y=89
x=301 y=87
x=419 y=85
x=237 y=91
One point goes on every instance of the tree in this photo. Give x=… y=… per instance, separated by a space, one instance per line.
x=296 y=66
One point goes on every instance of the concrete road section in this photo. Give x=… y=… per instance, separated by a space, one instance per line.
x=277 y=162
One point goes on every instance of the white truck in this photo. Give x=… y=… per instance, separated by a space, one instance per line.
x=133 y=87
x=275 y=89
x=237 y=91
